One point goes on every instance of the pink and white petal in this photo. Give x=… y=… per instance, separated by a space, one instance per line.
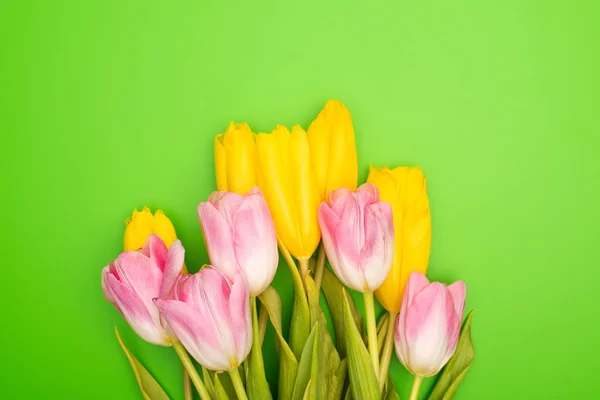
x=218 y=238
x=426 y=330
x=143 y=321
x=155 y=249
x=173 y=266
x=241 y=321
x=416 y=283
x=140 y=274
x=371 y=191
x=255 y=243
x=195 y=332
x=338 y=196
x=400 y=340
x=328 y=221
x=377 y=251
x=458 y=292
x=226 y=203
x=348 y=255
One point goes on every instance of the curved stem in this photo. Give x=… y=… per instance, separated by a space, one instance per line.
x=303 y=268
x=189 y=367
x=237 y=384
x=386 y=356
x=372 y=331
x=320 y=265
x=187 y=386
x=416 y=386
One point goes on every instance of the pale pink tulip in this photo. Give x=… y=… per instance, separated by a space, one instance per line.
x=136 y=277
x=210 y=315
x=358 y=234
x=240 y=236
x=428 y=326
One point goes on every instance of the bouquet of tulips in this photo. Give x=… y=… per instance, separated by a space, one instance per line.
x=296 y=193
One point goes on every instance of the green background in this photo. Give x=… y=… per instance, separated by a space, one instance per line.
x=110 y=105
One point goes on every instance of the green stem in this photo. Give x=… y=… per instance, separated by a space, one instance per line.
x=320 y=265
x=386 y=356
x=303 y=269
x=372 y=331
x=263 y=318
x=189 y=367
x=237 y=384
x=414 y=392
x=187 y=386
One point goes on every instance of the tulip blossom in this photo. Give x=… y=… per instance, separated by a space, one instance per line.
x=358 y=235
x=210 y=315
x=333 y=149
x=235 y=159
x=287 y=181
x=135 y=278
x=428 y=326
x=142 y=224
x=405 y=188
x=240 y=236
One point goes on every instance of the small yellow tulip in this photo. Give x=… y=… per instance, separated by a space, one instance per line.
x=235 y=159
x=333 y=149
x=287 y=181
x=405 y=189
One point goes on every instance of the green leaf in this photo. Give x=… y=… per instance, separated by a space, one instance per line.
x=256 y=384
x=389 y=391
x=331 y=289
x=382 y=327
x=328 y=358
x=151 y=390
x=305 y=366
x=339 y=379
x=457 y=367
x=220 y=392
x=288 y=364
x=300 y=324
x=362 y=376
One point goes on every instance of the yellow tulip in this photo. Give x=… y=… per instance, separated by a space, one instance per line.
x=142 y=224
x=405 y=189
x=287 y=181
x=235 y=159
x=333 y=149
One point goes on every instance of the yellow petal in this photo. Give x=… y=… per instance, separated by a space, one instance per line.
x=240 y=158
x=289 y=187
x=333 y=149
x=142 y=224
x=405 y=189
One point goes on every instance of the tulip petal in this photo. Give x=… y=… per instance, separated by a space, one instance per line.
x=328 y=221
x=142 y=320
x=155 y=249
x=347 y=238
x=378 y=249
x=220 y=163
x=416 y=283
x=427 y=326
x=458 y=291
x=226 y=203
x=239 y=146
x=195 y=332
x=241 y=322
x=255 y=243
x=173 y=266
x=140 y=274
x=218 y=238
x=367 y=193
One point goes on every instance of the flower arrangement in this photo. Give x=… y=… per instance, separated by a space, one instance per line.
x=296 y=193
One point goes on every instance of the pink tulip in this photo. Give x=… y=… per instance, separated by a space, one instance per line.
x=136 y=277
x=240 y=236
x=210 y=315
x=358 y=234
x=428 y=325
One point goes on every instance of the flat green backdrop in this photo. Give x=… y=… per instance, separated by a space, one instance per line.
x=110 y=105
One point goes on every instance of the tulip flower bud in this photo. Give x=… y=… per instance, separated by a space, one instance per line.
x=405 y=189
x=210 y=315
x=358 y=235
x=136 y=277
x=235 y=159
x=333 y=150
x=240 y=236
x=142 y=224
x=287 y=181
x=428 y=326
